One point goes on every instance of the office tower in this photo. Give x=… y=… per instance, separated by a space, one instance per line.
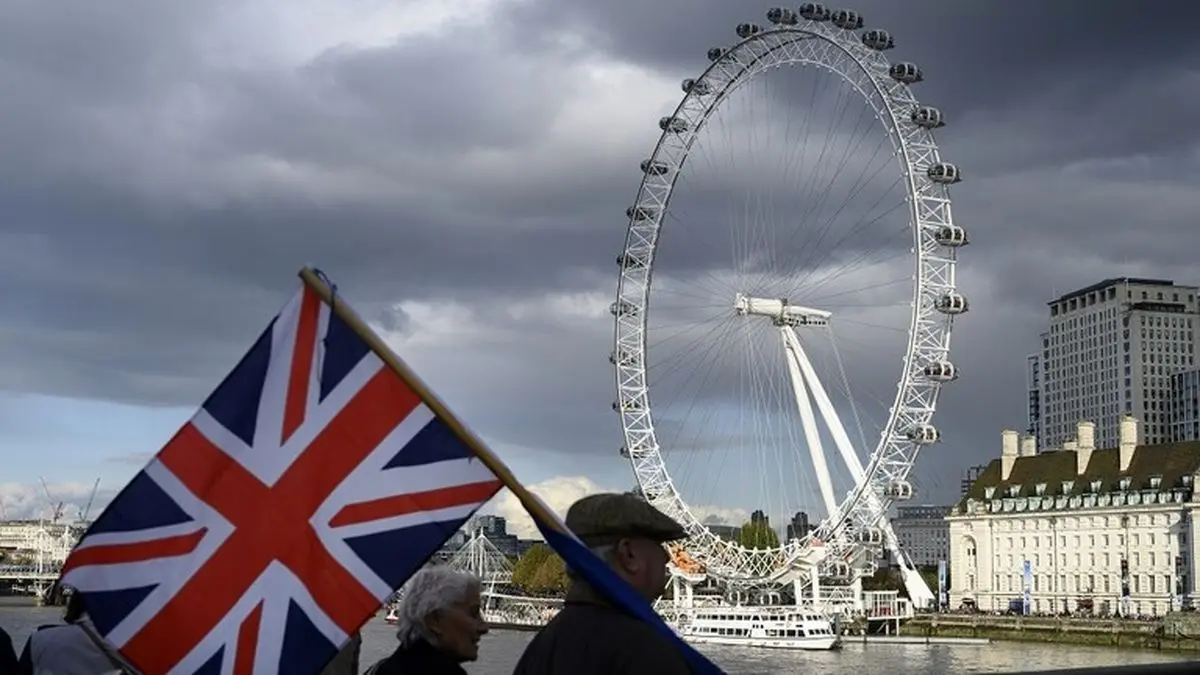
x=1033 y=384
x=1110 y=350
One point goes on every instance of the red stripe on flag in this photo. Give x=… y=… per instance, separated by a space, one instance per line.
x=302 y=362
x=247 y=642
x=116 y=554
x=270 y=524
x=402 y=505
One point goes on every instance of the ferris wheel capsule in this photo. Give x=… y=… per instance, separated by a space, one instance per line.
x=906 y=72
x=839 y=570
x=697 y=87
x=623 y=308
x=745 y=30
x=628 y=260
x=944 y=173
x=900 y=490
x=814 y=11
x=928 y=117
x=879 y=40
x=923 y=434
x=782 y=16
x=641 y=213
x=622 y=357
x=940 y=371
x=674 y=125
x=952 y=236
x=653 y=168
x=847 y=19
x=951 y=303
x=871 y=536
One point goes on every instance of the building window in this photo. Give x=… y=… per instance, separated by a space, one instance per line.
x=1095 y=486
x=989 y=492
x=1155 y=482
x=1124 y=484
x=1040 y=489
x=1067 y=485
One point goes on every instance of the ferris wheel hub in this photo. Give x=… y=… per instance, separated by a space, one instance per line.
x=780 y=311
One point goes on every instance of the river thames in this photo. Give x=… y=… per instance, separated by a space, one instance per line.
x=501 y=649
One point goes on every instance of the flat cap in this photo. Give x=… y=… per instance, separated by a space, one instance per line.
x=607 y=517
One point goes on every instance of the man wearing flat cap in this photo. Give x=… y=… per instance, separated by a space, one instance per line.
x=591 y=636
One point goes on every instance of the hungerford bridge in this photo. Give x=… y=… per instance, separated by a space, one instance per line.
x=35 y=552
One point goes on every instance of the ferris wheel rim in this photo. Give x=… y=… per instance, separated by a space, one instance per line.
x=631 y=379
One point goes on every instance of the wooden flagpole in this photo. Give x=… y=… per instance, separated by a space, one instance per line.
x=347 y=314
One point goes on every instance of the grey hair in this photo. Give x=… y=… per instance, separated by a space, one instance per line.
x=430 y=590
x=605 y=552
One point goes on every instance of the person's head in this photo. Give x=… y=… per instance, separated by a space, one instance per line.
x=629 y=534
x=442 y=607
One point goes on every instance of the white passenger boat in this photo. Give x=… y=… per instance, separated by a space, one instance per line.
x=702 y=617
x=755 y=626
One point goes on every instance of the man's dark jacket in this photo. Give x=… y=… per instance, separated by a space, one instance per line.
x=588 y=637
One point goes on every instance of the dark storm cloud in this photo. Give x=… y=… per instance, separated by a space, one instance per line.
x=157 y=197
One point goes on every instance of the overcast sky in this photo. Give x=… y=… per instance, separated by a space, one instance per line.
x=461 y=169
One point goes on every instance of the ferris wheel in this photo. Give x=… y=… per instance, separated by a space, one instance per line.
x=757 y=258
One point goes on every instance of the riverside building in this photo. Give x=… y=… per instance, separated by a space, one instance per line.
x=1104 y=530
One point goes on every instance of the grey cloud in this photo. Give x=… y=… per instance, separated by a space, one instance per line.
x=163 y=201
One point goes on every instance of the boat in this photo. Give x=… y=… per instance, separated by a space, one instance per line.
x=509 y=611
x=700 y=616
x=756 y=626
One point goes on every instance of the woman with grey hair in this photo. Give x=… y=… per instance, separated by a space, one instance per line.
x=440 y=625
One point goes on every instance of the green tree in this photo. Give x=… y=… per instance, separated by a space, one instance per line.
x=528 y=565
x=885 y=580
x=930 y=575
x=757 y=534
x=551 y=577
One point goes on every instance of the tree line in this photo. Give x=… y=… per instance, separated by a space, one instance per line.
x=539 y=571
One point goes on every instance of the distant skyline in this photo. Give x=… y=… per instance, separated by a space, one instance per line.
x=462 y=171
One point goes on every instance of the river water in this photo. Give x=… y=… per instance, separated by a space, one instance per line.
x=500 y=650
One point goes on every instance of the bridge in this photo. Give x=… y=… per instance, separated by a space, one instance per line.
x=480 y=557
x=34 y=573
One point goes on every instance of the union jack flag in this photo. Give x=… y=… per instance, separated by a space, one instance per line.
x=312 y=483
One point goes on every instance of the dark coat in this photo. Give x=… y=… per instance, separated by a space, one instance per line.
x=590 y=637
x=8 y=657
x=419 y=658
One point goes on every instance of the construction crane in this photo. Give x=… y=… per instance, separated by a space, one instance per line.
x=83 y=514
x=56 y=508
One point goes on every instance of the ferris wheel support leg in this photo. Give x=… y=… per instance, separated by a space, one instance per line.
x=832 y=420
x=918 y=591
x=808 y=420
x=846 y=449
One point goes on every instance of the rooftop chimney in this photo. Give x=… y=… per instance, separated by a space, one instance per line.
x=1086 y=431
x=1129 y=439
x=1028 y=446
x=1008 y=452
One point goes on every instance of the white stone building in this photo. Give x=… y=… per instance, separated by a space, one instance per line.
x=1090 y=521
x=1110 y=350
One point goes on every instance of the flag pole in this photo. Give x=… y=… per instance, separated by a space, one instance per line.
x=347 y=314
